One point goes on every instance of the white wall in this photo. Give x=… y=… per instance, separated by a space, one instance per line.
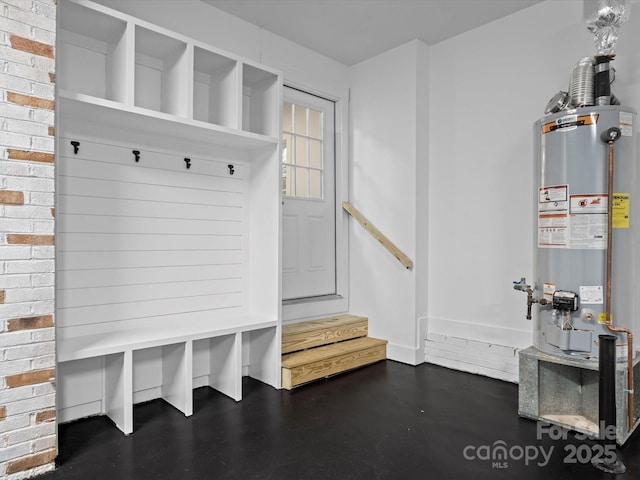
x=388 y=128
x=487 y=88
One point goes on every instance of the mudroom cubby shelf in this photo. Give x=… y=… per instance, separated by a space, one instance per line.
x=216 y=94
x=94 y=53
x=104 y=54
x=161 y=72
x=167 y=217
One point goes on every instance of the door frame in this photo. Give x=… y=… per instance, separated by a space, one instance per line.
x=295 y=310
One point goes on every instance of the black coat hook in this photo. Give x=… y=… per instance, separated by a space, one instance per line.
x=231 y=169
x=188 y=162
x=137 y=154
x=76 y=146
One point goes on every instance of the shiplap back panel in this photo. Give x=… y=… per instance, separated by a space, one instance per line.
x=146 y=240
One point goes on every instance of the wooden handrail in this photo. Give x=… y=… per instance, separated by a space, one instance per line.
x=378 y=235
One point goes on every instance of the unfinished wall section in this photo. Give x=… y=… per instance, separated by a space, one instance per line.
x=27 y=340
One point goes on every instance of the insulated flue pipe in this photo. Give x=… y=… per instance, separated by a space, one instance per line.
x=609 y=137
x=607 y=405
x=602 y=80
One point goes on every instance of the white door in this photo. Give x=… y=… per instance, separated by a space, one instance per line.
x=308 y=187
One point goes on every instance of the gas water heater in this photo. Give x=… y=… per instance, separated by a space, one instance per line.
x=586 y=230
x=583 y=297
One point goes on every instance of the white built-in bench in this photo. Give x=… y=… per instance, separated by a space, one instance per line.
x=168 y=178
x=118 y=348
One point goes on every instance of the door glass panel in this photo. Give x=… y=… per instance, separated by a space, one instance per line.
x=288 y=180
x=302 y=182
x=315 y=123
x=302 y=145
x=300 y=115
x=315 y=153
x=302 y=155
x=287 y=149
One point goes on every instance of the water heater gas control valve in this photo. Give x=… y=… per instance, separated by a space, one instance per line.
x=565 y=301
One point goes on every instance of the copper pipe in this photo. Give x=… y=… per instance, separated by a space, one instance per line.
x=608 y=321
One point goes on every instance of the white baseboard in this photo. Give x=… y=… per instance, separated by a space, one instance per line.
x=483 y=358
x=402 y=353
x=68 y=414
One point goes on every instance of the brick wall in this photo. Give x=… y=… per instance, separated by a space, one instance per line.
x=27 y=341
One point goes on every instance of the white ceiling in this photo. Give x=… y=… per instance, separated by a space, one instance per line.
x=350 y=31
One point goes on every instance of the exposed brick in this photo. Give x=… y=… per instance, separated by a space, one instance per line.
x=43 y=280
x=27 y=345
x=31 y=461
x=27 y=17
x=31 y=294
x=31 y=46
x=33 y=431
x=30 y=378
x=43 y=252
x=10 y=197
x=30 y=323
x=15 y=281
x=29 y=72
x=29 y=405
x=29 y=350
x=15 y=339
x=29 y=101
x=45 y=361
x=45 y=416
x=28 y=266
x=53 y=212
x=27 y=239
x=17 y=224
x=8 y=367
x=25 y=127
x=33 y=212
x=15 y=154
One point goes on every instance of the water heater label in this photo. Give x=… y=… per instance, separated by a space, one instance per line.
x=588 y=221
x=591 y=294
x=620 y=210
x=586 y=204
x=553 y=198
x=553 y=219
x=626 y=123
x=553 y=231
x=548 y=289
x=570 y=122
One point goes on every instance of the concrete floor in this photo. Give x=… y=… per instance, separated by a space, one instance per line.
x=387 y=421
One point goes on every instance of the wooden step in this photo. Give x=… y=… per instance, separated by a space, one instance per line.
x=300 y=336
x=308 y=365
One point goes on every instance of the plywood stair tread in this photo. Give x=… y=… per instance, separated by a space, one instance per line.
x=305 y=366
x=314 y=333
x=320 y=348
x=327 y=352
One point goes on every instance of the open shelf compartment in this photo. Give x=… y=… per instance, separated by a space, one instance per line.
x=260 y=97
x=215 y=89
x=161 y=73
x=93 y=51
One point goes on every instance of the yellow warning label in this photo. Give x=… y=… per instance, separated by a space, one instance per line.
x=570 y=122
x=602 y=317
x=620 y=210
